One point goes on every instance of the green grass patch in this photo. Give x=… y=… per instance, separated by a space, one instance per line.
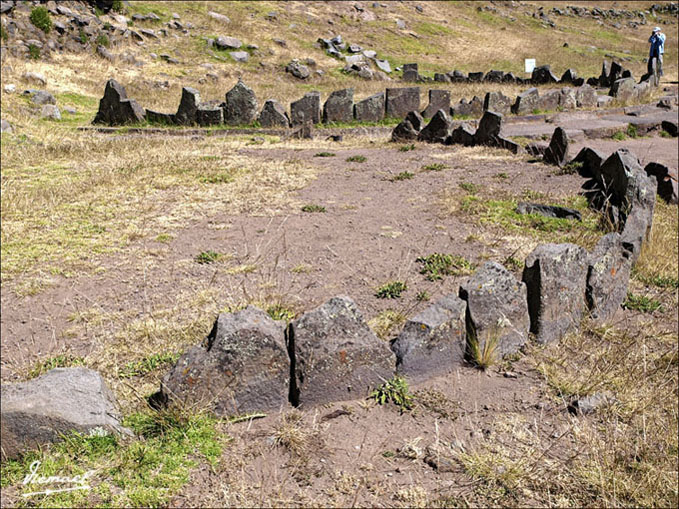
x=438 y=265
x=58 y=361
x=571 y=168
x=632 y=131
x=324 y=154
x=164 y=238
x=434 y=167
x=206 y=257
x=391 y=290
x=665 y=134
x=357 y=159
x=470 y=187
x=313 y=208
x=619 y=136
x=642 y=303
x=280 y=312
x=404 y=175
x=406 y=148
x=148 y=364
x=41 y=19
x=657 y=280
x=423 y=296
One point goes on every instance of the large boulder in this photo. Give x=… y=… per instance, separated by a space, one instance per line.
x=273 y=114
x=437 y=130
x=438 y=100
x=400 y=101
x=207 y=116
x=226 y=43
x=489 y=130
x=404 y=131
x=526 y=102
x=555 y=277
x=370 y=109
x=115 y=108
x=568 y=99
x=622 y=89
x=339 y=107
x=47 y=408
x=244 y=367
x=497 y=310
x=298 y=70
x=432 y=342
x=607 y=277
x=240 y=105
x=188 y=106
x=462 y=135
x=415 y=119
x=542 y=75
x=497 y=102
x=549 y=101
x=40 y=97
x=617 y=175
x=494 y=76
x=306 y=109
x=585 y=97
x=557 y=152
x=337 y=356
x=667 y=181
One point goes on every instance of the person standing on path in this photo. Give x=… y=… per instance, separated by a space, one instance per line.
x=657 y=41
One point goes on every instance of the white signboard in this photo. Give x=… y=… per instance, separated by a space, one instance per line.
x=530 y=64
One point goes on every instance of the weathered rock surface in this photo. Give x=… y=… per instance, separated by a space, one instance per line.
x=438 y=100
x=542 y=75
x=622 y=89
x=370 y=109
x=464 y=108
x=188 y=106
x=339 y=107
x=225 y=43
x=549 y=101
x=115 y=108
x=298 y=70
x=273 y=115
x=415 y=119
x=42 y=410
x=526 y=102
x=206 y=116
x=670 y=127
x=489 y=130
x=548 y=210
x=636 y=214
x=497 y=311
x=591 y=162
x=437 y=130
x=40 y=97
x=306 y=109
x=241 y=105
x=586 y=97
x=462 y=135
x=337 y=356
x=555 y=277
x=432 y=342
x=607 y=277
x=667 y=181
x=410 y=73
x=50 y=111
x=243 y=368
x=399 y=101
x=404 y=131
x=155 y=117
x=497 y=102
x=557 y=152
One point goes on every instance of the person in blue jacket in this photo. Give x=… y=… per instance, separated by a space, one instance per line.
x=657 y=41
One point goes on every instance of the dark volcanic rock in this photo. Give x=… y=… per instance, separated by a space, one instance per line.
x=555 y=277
x=549 y=101
x=273 y=115
x=622 y=89
x=337 y=356
x=298 y=70
x=636 y=214
x=244 y=367
x=370 y=109
x=489 y=130
x=667 y=182
x=557 y=152
x=462 y=135
x=670 y=127
x=591 y=162
x=548 y=211
x=542 y=75
x=494 y=76
x=306 y=109
x=437 y=130
x=438 y=100
x=45 y=409
x=339 y=107
x=404 y=132
x=115 y=108
x=607 y=277
x=206 y=116
x=186 y=113
x=415 y=119
x=240 y=105
x=410 y=73
x=586 y=97
x=526 y=102
x=402 y=100
x=569 y=76
x=497 y=102
x=155 y=117
x=497 y=310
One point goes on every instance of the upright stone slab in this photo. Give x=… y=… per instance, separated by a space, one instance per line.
x=243 y=368
x=604 y=80
x=410 y=72
x=637 y=213
x=308 y=108
x=339 y=107
x=432 y=343
x=591 y=160
x=402 y=100
x=555 y=277
x=206 y=116
x=115 y=108
x=188 y=106
x=607 y=277
x=568 y=99
x=438 y=100
x=240 y=105
x=617 y=175
x=616 y=73
x=526 y=102
x=462 y=135
x=497 y=102
x=273 y=114
x=622 y=89
x=586 y=97
x=543 y=75
x=497 y=310
x=415 y=119
x=337 y=356
x=549 y=101
x=489 y=130
x=557 y=152
x=569 y=76
x=370 y=109
x=43 y=410
x=404 y=131
x=437 y=130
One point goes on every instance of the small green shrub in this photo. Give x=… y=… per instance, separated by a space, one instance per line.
x=391 y=290
x=438 y=265
x=164 y=238
x=394 y=391
x=280 y=312
x=83 y=37
x=33 y=52
x=206 y=257
x=40 y=17
x=571 y=168
x=482 y=356
x=324 y=154
x=423 y=296
x=665 y=134
x=59 y=361
x=357 y=159
x=3 y=33
x=642 y=303
x=404 y=175
x=470 y=187
x=406 y=148
x=619 y=136
x=313 y=208
x=434 y=167
x=102 y=40
x=118 y=6
x=632 y=131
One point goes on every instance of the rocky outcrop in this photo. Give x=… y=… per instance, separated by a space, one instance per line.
x=116 y=109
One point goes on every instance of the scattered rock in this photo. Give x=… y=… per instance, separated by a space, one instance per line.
x=670 y=127
x=464 y=108
x=370 y=109
x=243 y=368
x=410 y=72
x=569 y=76
x=462 y=135
x=589 y=404
x=308 y=108
x=50 y=111
x=41 y=97
x=115 y=108
x=549 y=101
x=339 y=107
x=568 y=99
x=496 y=310
x=43 y=410
x=337 y=356
x=10 y=88
x=399 y=101
x=607 y=277
x=526 y=102
x=432 y=342
x=590 y=160
x=35 y=77
x=636 y=214
x=241 y=105
x=218 y=17
x=548 y=211
x=298 y=70
x=622 y=89
x=226 y=43
x=437 y=130
x=542 y=75
x=104 y=53
x=404 y=132
x=207 y=116
x=497 y=102
x=383 y=65
x=555 y=277
x=557 y=152
x=273 y=115
x=240 y=56
x=494 y=77
x=438 y=100
x=586 y=97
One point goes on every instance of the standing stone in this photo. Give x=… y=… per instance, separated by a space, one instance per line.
x=206 y=116
x=549 y=101
x=585 y=97
x=370 y=109
x=437 y=130
x=410 y=72
x=464 y=108
x=569 y=76
x=308 y=108
x=542 y=75
x=337 y=356
x=591 y=162
x=243 y=368
x=622 y=89
x=607 y=277
x=241 y=105
x=402 y=100
x=617 y=176
x=63 y=400
x=667 y=181
x=497 y=102
x=404 y=132
x=557 y=152
x=555 y=277
x=526 y=102
x=616 y=73
x=605 y=72
x=186 y=113
x=432 y=343
x=415 y=119
x=494 y=77
x=273 y=115
x=497 y=310
x=115 y=108
x=636 y=214
x=462 y=135
x=475 y=77
x=339 y=106
x=438 y=100
x=568 y=99
x=489 y=130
